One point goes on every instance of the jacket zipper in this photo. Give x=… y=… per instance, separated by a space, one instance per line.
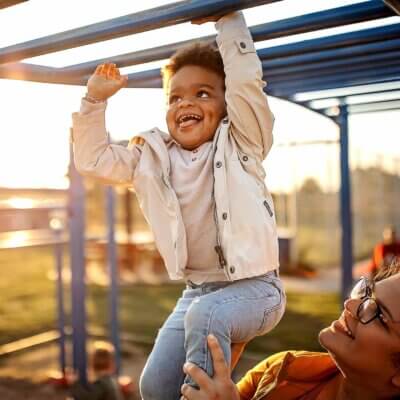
x=218 y=247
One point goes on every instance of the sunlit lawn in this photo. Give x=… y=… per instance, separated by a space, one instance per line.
x=27 y=305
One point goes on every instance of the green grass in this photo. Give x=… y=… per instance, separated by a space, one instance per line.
x=27 y=305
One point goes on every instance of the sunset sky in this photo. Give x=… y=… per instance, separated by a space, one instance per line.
x=35 y=118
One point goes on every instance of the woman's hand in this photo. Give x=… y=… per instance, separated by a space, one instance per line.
x=219 y=387
x=105 y=82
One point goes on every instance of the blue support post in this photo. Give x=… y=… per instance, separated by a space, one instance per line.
x=58 y=255
x=77 y=251
x=113 y=274
x=345 y=205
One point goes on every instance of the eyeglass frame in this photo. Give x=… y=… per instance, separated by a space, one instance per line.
x=369 y=296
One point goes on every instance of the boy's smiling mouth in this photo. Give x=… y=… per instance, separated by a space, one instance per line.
x=186 y=120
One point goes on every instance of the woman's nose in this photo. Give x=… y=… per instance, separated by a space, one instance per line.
x=351 y=305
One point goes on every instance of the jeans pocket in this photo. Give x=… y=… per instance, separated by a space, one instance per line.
x=273 y=312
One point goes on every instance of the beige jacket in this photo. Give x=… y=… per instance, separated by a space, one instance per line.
x=245 y=220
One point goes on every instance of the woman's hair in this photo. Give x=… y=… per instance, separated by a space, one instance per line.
x=200 y=54
x=388 y=269
x=385 y=271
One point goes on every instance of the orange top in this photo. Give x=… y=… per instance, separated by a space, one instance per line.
x=288 y=375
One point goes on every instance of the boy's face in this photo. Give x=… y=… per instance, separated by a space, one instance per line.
x=196 y=105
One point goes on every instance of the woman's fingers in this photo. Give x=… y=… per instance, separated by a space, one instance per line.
x=221 y=369
x=199 y=376
x=98 y=69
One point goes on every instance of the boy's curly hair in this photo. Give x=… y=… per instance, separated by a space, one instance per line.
x=201 y=54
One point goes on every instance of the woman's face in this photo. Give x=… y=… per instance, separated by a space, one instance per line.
x=365 y=352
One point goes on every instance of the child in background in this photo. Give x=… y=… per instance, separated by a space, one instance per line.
x=105 y=385
x=202 y=190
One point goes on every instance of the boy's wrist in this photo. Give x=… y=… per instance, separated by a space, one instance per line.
x=231 y=26
x=92 y=99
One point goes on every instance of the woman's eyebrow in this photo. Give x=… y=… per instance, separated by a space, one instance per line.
x=384 y=308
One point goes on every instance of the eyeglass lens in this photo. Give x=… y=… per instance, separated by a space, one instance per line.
x=367 y=310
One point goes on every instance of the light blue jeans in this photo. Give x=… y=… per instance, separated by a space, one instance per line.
x=233 y=311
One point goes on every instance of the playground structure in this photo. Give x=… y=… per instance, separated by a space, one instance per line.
x=337 y=75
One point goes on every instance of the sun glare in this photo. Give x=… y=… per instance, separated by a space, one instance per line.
x=19 y=202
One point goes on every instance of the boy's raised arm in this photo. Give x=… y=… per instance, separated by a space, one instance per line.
x=93 y=154
x=247 y=104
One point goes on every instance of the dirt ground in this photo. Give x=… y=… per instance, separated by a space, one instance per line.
x=25 y=375
x=19 y=389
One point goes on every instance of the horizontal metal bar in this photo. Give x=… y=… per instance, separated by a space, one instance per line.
x=369 y=107
x=373 y=97
x=372 y=35
x=152 y=79
x=341 y=93
x=345 y=54
x=39 y=73
x=331 y=67
x=155 y=18
x=343 y=81
x=320 y=20
x=394 y=108
x=71 y=74
x=309 y=78
x=377 y=106
x=302 y=62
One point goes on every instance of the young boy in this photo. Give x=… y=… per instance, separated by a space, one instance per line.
x=202 y=191
x=105 y=386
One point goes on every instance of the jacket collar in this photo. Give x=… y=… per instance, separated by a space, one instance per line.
x=295 y=375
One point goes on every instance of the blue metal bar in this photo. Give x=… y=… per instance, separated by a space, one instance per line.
x=281 y=66
x=356 y=38
x=38 y=73
x=352 y=52
x=113 y=274
x=320 y=20
x=366 y=104
x=286 y=89
x=77 y=252
x=368 y=41
x=345 y=205
x=58 y=255
x=351 y=73
x=343 y=93
x=333 y=66
x=155 y=18
x=375 y=106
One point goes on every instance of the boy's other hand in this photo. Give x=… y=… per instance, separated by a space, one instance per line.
x=220 y=386
x=105 y=82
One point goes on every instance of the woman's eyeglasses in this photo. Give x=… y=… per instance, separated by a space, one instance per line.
x=368 y=309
